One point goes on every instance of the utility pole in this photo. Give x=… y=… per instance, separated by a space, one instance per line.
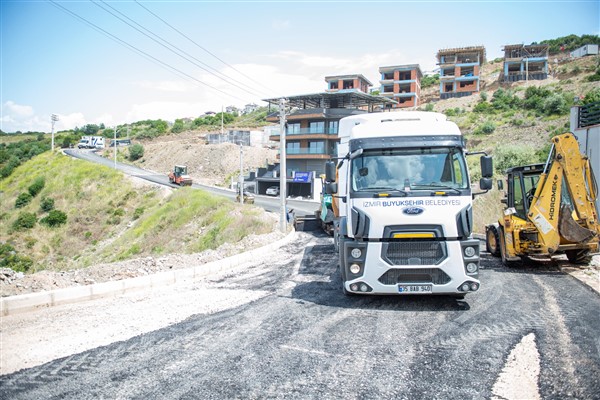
x=282 y=167
x=53 y=118
x=222 y=121
x=241 y=173
x=115 y=144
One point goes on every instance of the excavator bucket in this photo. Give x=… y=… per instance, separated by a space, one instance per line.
x=570 y=229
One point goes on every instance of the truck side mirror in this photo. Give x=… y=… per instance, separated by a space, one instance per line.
x=331 y=188
x=487 y=166
x=485 y=184
x=330 y=172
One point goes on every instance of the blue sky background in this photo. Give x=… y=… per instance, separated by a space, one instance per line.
x=54 y=62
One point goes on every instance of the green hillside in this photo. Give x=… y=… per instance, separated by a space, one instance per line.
x=82 y=214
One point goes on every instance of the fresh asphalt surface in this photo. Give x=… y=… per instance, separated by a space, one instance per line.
x=305 y=339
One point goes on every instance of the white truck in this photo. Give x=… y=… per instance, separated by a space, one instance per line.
x=403 y=205
x=91 y=142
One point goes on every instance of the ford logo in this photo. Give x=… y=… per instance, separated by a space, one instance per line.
x=413 y=210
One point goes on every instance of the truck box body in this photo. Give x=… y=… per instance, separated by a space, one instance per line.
x=91 y=142
x=404 y=201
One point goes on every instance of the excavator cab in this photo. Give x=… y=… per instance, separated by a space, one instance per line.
x=522 y=183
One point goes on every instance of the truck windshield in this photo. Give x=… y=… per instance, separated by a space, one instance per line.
x=412 y=169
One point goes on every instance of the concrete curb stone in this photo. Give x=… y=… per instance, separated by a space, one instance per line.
x=32 y=301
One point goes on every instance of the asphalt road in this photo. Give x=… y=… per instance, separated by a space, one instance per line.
x=267 y=202
x=305 y=339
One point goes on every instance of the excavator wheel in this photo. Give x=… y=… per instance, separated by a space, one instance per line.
x=492 y=241
x=579 y=256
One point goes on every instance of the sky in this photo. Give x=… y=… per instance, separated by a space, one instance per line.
x=116 y=62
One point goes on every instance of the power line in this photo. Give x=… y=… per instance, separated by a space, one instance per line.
x=141 y=52
x=199 y=46
x=181 y=53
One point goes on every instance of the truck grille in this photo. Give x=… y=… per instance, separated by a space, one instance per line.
x=414 y=253
x=414 y=275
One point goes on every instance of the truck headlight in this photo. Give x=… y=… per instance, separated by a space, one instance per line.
x=469 y=251
x=355 y=268
x=471 y=268
x=356 y=253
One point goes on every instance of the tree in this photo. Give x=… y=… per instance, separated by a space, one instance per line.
x=136 y=151
x=177 y=126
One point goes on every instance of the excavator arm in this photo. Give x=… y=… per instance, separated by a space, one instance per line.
x=563 y=208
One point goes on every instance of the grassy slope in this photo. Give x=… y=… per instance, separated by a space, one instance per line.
x=102 y=223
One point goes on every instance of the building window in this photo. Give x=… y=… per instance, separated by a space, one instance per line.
x=333 y=85
x=333 y=127
x=293 y=128
x=317 y=127
x=349 y=84
x=316 y=147
x=292 y=147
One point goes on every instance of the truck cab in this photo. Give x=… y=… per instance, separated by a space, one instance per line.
x=404 y=196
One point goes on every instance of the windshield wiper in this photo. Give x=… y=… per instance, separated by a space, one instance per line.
x=435 y=186
x=383 y=188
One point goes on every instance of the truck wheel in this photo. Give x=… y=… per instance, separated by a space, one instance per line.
x=492 y=241
x=579 y=256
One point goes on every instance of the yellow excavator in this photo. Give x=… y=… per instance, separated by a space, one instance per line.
x=550 y=208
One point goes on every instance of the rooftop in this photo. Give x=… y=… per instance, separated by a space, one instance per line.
x=352 y=76
x=333 y=100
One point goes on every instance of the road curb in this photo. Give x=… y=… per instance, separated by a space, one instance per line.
x=32 y=301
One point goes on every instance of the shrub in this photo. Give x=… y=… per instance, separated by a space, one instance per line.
x=508 y=156
x=25 y=220
x=136 y=151
x=23 y=199
x=10 y=259
x=485 y=129
x=555 y=104
x=47 y=204
x=54 y=218
x=36 y=187
x=429 y=107
x=483 y=96
x=592 y=96
x=138 y=212
x=483 y=107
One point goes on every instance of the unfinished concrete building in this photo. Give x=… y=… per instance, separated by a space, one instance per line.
x=524 y=62
x=339 y=83
x=459 y=71
x=401 y=83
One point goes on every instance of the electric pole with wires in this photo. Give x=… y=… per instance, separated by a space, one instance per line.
x=282 y=168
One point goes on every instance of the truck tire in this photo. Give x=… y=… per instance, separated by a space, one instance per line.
x=579 y=256
x=492 y=240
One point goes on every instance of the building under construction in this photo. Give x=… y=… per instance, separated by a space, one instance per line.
x=401 y=83
x=459 y=71
x=525 y=62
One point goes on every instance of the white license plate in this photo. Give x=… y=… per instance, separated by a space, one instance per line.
x=414 y=289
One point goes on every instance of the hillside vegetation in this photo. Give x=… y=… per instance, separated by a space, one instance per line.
x=62 y=213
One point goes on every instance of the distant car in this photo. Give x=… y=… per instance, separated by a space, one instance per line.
x=248 y=198
x=273 y=191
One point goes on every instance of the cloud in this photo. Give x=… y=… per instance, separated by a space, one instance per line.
x=17 y=111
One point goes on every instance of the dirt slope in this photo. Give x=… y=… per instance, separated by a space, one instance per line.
x=207 y=164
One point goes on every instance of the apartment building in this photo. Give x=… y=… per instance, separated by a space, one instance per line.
x=525 y=62
x=459 y=71
x=401 y=83
x=311 y=133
